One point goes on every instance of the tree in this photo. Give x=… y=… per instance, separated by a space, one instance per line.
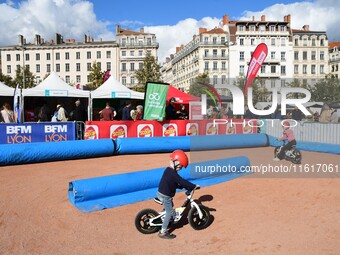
x=196 y=88
x=149 y=72
x=96 y=76
x=6 y=79
x=326 y=90
x=296 y=83
x=29 y=78
x=260 y=92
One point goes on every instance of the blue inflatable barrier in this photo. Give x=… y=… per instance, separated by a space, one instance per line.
x=99 y=193
x=186 y=143
x=309 y=146
x=26 y=153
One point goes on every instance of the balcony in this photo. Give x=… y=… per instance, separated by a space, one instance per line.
x=212 y=57
x=138 y=45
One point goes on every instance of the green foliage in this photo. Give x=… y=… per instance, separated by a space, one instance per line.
x=196 y=88
x=96 y=76
x=326 y=90
x=29 y=78
x=260 y=92
x=149 y=72
x=297 y=83
x=7 y=80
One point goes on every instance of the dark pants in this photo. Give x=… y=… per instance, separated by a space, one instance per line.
x=286 y=147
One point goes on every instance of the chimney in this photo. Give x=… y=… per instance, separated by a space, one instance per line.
x=51 y=41
x=21 y=40
x=288 y=18
x=92 y=39
x=178 y=49
x=117 y=29
x=253 y=18
x=85 y=38
x=101 y=39
x=202 y=30
x=225 y=19
x=142 y=30
x=68 y=40
x=73 y=40
x=263 y=18
x=305 y=27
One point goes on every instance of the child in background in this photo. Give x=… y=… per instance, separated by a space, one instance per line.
x=288 y=135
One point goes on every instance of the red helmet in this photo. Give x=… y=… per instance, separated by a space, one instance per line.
x=286 y=124
x=180 y=156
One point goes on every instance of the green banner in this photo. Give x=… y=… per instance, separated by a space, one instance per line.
x=155 y=101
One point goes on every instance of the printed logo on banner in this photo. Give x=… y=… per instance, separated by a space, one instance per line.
x=91 y=132
x=19 y=134
x=191 y=129
x=231 y=129
x=55 y=133
x=145 y=130
x=170 y=130
x=211 y=129
x=118 y=131
x=247 y=129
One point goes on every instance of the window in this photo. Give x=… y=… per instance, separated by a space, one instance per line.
x=223 y=66
x=88 y=54
x=57 y=67
x=140 y=66
x=149 y=41
x=322 y=55
x=222 y=40
x=67 y=79
x=206 y=53
x=322 y=71
x=214 y=53
x=273 y=41
x=67 y=67
x=18 y=67
x=283 y=70
x=99 y=54
x=263 y=69
x=67 y=55
x=123 y=53
x=206 y=40
x=206 y=66
x=241 y=41
x=37 y=56
x=273 y=69
x=262 y=28
x=77 y=55
x=48 y=56
x=8 y=57
x=99 y=65
x=241 y=55
x=214 y=40
x=304 y=69
x=272 y=55
x=296 y=42
x=296 y=69
x=124 y=80
x=283 y=83
x=123 y=42
x=9 y=69
x=215 y=79
x=88 y=67
x=37 y=68
x=88 y=79
x=313 y=69
x=283 y=42
x=18 y=57
x=132 y=41
x=272 y=83
x=241 y=70
x=282 y=28
x=140 y=53
x=48 y=68
x=123 y=67
x=304 y=42
x=252 y=28
x=108 y=65
x=283 y=56
x=78 y=67
x=272 y=28
x=313 y=42
x=223 y=53
x=313 y=55
x=108 y=54
x=78 y=79
x=304 y=55
x=322 y=42
x=132 y=66
x=241 y=28
x=132 y=53
x=57 y=56
x=296 y=55
x=215 y=65
x=224 y=79
x=252 y=41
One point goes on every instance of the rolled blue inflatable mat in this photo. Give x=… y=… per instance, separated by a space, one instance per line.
x=186 y=143
x=99 y=193
x=26 y=153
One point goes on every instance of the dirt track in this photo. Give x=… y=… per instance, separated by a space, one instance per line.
x=251 y=215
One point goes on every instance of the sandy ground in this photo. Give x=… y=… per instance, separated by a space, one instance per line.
x=253 y=215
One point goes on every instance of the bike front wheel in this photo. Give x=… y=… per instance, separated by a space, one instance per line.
x=297 y=157
x=142 y=221
x=194 y=218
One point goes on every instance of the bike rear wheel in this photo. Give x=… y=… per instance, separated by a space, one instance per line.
x=142 y=221
x=276 y=151
x=194 y=219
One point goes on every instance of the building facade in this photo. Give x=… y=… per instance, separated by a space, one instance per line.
x=73 y=61
x=334 y=59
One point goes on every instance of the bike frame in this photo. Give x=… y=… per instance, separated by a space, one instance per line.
x=179 y=212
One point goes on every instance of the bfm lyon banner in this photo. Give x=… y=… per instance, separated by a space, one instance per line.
x=155 y=100
x=256 y=61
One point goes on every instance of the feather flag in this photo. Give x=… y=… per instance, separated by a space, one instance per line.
x=107 y=75
x=255 y=63
x=16 y=104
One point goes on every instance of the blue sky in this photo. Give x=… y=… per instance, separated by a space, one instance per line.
x=173 y=22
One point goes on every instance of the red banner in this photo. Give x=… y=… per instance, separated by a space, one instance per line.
x=255 y=63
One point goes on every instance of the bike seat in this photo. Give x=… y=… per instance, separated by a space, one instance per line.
x=156 y=199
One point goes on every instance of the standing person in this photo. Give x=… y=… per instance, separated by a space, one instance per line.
x=334 y=115
x=183 y=113
x=170 y=181
x=126 y=113
x=170 y=110
x=288 y=135
x=79 y=113
x=7 y=113
x=61 y=113
x=44 y=113
x=139 y=112
x=107 y=114
x=230 y=113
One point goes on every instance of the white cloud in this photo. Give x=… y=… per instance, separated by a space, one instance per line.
x=72 y=19
x=170 y=37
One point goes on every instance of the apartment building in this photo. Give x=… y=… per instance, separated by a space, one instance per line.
x=72 y=60
x=310 y=54
x=334 y=59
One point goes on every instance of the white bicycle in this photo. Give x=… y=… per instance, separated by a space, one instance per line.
x=149 y=221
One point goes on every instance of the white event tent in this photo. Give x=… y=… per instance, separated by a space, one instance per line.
x=5 y=90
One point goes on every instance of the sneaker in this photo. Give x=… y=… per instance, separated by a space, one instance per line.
x=166 y=235
x=276 y=159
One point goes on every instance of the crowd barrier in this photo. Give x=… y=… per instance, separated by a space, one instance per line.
x=145 y=128
x=98 y=193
